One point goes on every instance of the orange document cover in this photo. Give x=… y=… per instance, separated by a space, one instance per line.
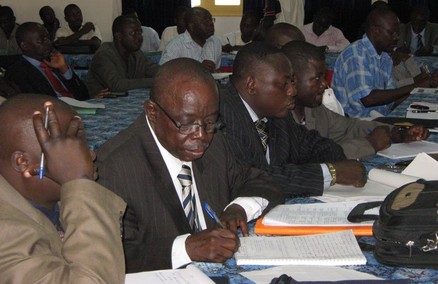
x=260 y=229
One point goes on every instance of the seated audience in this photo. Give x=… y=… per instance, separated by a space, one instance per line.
x=281 y=33
x=419 y=36
x=151 y=40
x=321 y=32
x=248 y=25
x=50 y=22
x=172 y=32
x=8 y=29
x=197 y=42
x=120 y=65
x=167 y=164
x=63 y=228
x=358 y=138
x=260 y=130
x=42 y=69
x=362 y=79
x=76 y=34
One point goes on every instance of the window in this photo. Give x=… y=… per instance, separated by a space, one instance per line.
x=221 y=7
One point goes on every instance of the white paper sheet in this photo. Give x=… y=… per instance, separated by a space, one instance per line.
x=423 y=166
x=407 y=150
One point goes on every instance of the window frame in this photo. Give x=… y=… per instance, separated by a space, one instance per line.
x=222 y=10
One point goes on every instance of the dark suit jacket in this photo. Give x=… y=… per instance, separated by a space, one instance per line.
x=131 y=165
x=295 y=152
x=30 y=80
x=430 y=35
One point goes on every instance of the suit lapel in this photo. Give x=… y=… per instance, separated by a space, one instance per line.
x=163 y=184
x=38 y=79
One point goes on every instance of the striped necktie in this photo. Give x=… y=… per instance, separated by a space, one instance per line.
x=188 y=197
x=262 y=130
x=419 y=42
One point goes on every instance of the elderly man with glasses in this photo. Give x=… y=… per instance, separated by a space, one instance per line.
x=172 y=160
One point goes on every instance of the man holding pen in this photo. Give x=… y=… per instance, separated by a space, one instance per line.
x=168 y=163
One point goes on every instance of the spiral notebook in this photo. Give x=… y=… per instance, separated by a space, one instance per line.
x=340 y=248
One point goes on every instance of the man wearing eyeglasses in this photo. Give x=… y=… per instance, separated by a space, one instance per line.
x=168 y=163
x=362 y=79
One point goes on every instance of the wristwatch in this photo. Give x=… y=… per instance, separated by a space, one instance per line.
x=332 y=171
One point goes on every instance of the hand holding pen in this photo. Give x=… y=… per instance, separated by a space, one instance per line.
x=64 y=131
x=234 y=217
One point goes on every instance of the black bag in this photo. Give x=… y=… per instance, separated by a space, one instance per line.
x=406 y=230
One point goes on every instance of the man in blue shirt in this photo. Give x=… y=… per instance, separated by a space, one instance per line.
x=362 y=73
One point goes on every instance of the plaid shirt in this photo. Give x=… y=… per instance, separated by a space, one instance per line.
x=358 y=71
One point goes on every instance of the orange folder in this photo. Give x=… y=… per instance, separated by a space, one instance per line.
x=359 y=231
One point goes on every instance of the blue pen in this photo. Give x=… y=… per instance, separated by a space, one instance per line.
x=213 y=215
x=46 y=121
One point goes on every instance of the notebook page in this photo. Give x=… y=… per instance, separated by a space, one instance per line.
x=340 y=248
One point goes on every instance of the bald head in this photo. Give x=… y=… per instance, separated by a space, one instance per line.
x=282 y=33
x=378 y=16
x=175 y=72
x=300 y=53
x=16 y=114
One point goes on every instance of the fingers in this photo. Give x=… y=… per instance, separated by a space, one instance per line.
x=75 y=127
x=244 y=228
x=52 y=122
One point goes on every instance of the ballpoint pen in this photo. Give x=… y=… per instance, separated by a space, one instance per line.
x=46 y=121
x=213 y=215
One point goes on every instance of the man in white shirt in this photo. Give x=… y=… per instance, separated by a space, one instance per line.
x=197 y=41
x=76 y=34
x=321 y=32
x=168 y=163
x=172 y=32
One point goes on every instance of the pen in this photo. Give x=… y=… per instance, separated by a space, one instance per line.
x=424 y=111
x=213 y=215
x=46 y=121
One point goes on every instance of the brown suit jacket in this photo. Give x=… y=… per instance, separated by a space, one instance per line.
x=131 y=165
x=31 y=250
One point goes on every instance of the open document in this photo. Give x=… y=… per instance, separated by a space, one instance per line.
x=408 y=150
x=340 y=248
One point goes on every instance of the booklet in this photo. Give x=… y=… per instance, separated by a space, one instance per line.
x=408 y=150
x=339 y=248
x=82 y=107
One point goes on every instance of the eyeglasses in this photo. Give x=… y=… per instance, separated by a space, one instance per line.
x=391 y=33
x=187 y=129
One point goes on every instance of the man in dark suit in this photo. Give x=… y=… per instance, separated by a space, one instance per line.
x=42 y=69
x=143 y=165
x=262 y=91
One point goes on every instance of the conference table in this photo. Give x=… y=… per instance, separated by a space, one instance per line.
x=120 y=112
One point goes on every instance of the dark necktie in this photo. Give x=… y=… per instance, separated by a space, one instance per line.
x=56 y=84
x=262 y=130
x=419 y=42
x=188 y=197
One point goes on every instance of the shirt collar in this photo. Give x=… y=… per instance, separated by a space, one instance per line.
x=414 y=35
x=32 y=61
x=173 y=163
x=252 y=113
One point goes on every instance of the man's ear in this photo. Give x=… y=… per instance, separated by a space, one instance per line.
x=23 y=46
x=19 y=161
x=117 y=36
x=250 y=85
x=150 y=109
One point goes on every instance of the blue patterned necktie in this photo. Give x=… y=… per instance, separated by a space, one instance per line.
x=262 y=130
x=419 y=42
x=188 y=197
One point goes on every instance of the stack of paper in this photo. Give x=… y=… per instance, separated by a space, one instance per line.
x=408 y=150
x=306 y=219
x=340 y=248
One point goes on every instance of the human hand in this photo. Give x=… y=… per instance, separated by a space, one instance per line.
x=415 y=133
x=398 y=57
x=87 y=28
x=210 y=65
x=380 y=137
x=62 y=166
x=424 y=51
x=350 y=172
x=213 y=245
x=234 y=217
x=102 y=93
x=227 y=48
x=57 y=61
x=422 y=80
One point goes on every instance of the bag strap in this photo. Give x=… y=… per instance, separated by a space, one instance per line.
x=357 y=213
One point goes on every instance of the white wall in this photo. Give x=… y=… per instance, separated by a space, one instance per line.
x=100 y=12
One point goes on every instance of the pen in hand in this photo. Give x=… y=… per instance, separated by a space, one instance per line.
x=46 y=121
x=212 y=215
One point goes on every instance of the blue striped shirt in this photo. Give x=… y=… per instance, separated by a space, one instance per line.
x=358 y=70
